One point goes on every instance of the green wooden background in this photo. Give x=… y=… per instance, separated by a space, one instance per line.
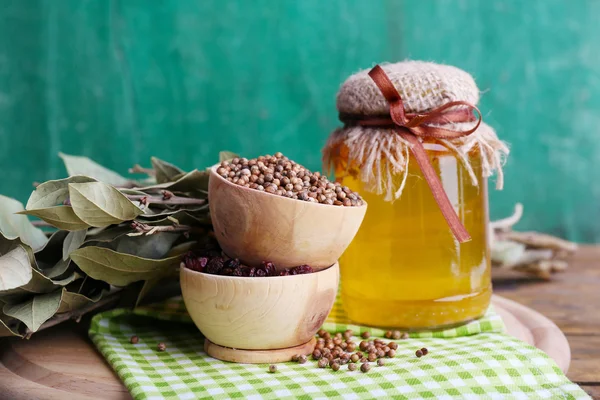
x=122 y=80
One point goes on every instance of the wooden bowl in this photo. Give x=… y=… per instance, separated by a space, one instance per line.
x=256 y=226
x=259 y=313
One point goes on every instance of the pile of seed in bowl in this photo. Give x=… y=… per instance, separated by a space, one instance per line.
x=211 y=260
x=283 y=177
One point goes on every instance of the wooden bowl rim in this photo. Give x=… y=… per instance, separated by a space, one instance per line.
x=262 y=278
x=213 y=172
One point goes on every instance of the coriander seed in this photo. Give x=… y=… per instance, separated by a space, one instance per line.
x=404 y=336
x=396 y=335
x=372 y=357
x=322 y=363
x=134 y=340
x=335 y=366
x=161 y=346
x=352 y=367
x=424 y=351
x=302 y=359
x=391 y=353
x=388 y=334
x=393 y=345
x=354 y=358
x=365 y=335
x=295 y=357
x=380 y=362
x=272 y=368
x=278 y=175
x=419 y=353
x=316 y=355
x=365 y=367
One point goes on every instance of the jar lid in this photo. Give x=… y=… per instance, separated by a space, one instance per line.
x=422 y=85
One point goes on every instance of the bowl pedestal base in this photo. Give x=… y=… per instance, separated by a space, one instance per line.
x=257 y=356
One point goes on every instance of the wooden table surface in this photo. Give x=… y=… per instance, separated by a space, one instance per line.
x=571 y=300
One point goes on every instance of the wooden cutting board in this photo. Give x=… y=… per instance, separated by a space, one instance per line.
x=60 y=362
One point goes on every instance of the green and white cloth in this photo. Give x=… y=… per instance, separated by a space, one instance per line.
x=474 y=361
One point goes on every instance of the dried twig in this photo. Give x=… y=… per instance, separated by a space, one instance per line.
x=507 y=223
x=166 y=199
x=145 y=229
x=533 y=253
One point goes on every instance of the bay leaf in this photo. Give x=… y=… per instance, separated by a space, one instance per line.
x=165 y=171
x=36 y=310
x=77 y=165
x=194 y=182
x=99 y=204
x=72 y=242
x=8 y=325
x=153 y=246
x=159 y=214
x=181 y=248
x=226 y=156
x=183 y=217
x=58 y=269
x=151 y=283
x=61 y=217
x=13 y=225
x=15 y=268
x=53 y=193
x=71 y=301
x=109 y=234
x=119 y=269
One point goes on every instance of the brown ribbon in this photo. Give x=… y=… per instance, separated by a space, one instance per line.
x=414 y=126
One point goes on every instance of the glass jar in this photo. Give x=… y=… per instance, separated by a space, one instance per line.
x=405 y=269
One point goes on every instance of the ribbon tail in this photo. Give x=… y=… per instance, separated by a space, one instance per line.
x=440 y=196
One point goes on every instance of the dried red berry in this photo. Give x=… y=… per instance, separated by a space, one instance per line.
x=260 y=272
x=232 y=263
x=215 y=265
x=192 y=262
x=301 y=269
x=269 y=268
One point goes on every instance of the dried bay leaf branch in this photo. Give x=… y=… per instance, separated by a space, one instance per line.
x=119 y=269
x=194 y=182
x=77 y=165
x=36 y=310
x=165 y=171
x=71 y=301
x=99 y=204
x=13 y=225
x=8 y=325
x=15 y=267
x=53 y=193
x=72 y=242
x=61 y=217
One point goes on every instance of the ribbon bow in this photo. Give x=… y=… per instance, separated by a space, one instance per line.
x=414 y=126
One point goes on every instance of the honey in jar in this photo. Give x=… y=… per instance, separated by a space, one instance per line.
x=406 y=268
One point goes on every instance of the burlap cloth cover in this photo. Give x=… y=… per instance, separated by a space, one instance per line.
x=380 y=154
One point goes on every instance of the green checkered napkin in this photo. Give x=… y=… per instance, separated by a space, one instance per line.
x=476 y=360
